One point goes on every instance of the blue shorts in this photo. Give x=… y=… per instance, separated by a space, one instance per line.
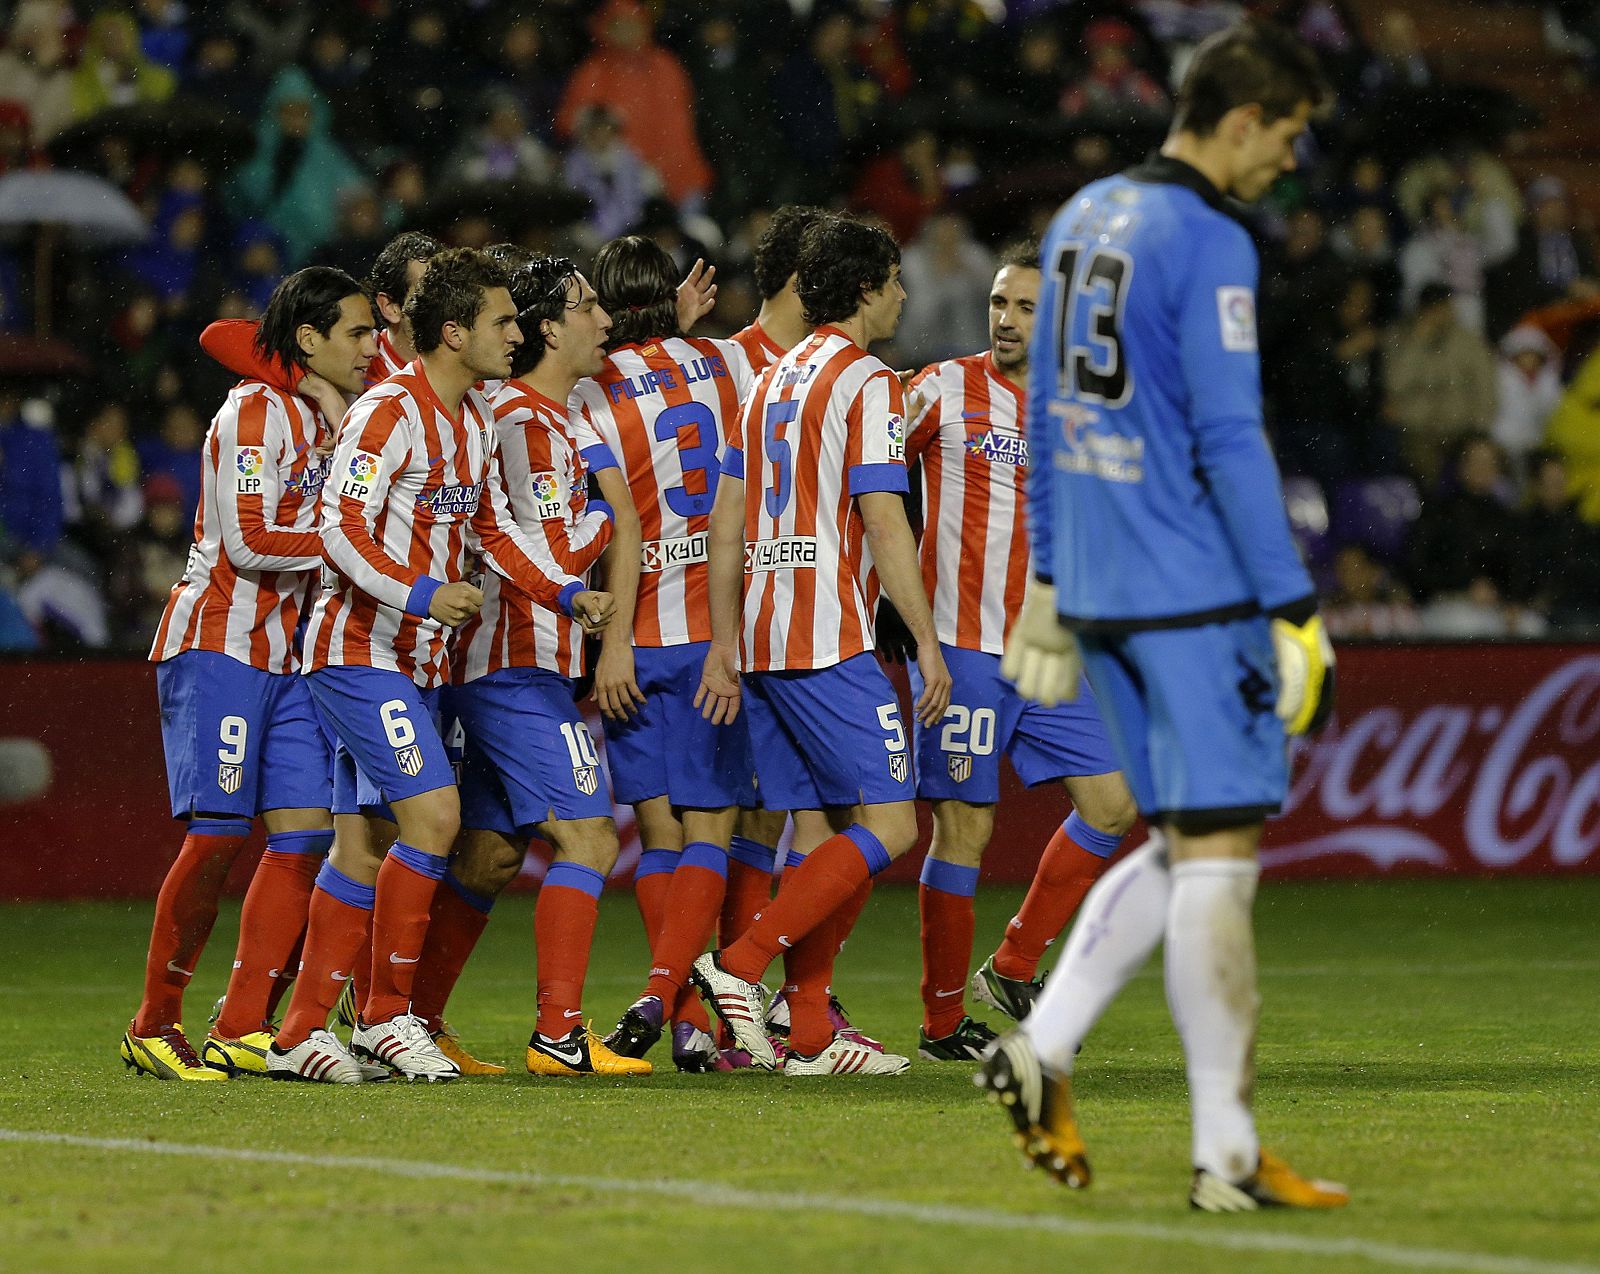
x=388 y=727
x=828 y=736
x=959 y=759
x=527 y=755
x=238 y=740
x=1190 y=713
x=667 y=748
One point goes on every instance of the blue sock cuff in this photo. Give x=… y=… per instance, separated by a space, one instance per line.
x=200 y=825
x=653 y=862
x=431 y=865
x=1092 y=839
x=699 y=853
x=312 y=842
x=870 y=846
x=575 y=876
x=478 y=902
x=333 y=881
x=752 y=853
x=949 y=878
x=792 y=859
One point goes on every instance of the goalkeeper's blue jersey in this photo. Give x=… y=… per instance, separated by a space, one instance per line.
x=1154 y=500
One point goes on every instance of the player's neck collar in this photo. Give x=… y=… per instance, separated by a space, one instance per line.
x=1174 y=172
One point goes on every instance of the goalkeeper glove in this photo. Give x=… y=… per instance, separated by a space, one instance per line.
x=1042 y=658
x=1305 y=674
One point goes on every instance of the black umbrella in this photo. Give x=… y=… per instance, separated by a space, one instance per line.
x=513 y=206
x=180 y=126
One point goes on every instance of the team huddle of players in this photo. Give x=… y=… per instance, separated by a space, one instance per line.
x=377 y=641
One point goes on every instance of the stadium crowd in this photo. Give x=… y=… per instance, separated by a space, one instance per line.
x=1427 y=325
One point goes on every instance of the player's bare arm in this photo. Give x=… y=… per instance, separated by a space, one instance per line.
x=616 y=688
x=718 y=695
x=894 y=553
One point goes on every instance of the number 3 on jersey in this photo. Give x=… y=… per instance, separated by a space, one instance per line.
x=779 y=454
x=693 y=428
x=1093 y=366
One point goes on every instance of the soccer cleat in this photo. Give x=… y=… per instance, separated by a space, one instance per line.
x=778 y=1021
x=640 y=1028
x=580 y=1052
x=345 y=1009
x=1011 y=996
x=1040 y=1106
x=449 y=1043
x=964 y=1044
x=166 y=1055
x=847 y=1057
x=694 y=1052
x=1274 y=1184
x=741 y=1004
x=404 y=1046
x=246 y=1055
x=317 y=1059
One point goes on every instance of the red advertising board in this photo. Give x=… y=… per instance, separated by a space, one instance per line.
x=1442 y=759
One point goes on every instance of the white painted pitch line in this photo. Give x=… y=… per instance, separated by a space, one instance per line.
x=1203 y=1233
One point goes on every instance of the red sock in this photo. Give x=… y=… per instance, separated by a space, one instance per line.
x=563 y=933
x=186 y=908
x=749 y=887
x=407 y=882
x=693 y=901
x=844 y=920
x=270 y=926
x=944 y=900
x=832 y=872
x=285 y=980
x=651 y=881
x=1066 y=873
x=361 y=980
x=455 y=923
x=340 y=922
x=807 y=972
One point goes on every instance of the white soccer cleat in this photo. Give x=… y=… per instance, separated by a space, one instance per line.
x=404 y=1046
x=847 y=1057
x=741 y=1004
x=318 y=1059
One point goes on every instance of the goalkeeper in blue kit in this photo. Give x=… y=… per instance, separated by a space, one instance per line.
x=1165 y=571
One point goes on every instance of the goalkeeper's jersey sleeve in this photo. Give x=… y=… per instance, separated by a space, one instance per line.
x=1154 y=500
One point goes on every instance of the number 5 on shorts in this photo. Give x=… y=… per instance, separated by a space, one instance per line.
x=889 y=719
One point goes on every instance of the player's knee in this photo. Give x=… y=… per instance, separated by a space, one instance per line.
x=591 y=842
x=895 y=826
x=430 y=822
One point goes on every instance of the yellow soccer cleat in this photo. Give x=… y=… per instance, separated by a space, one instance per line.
x=166 y=1055
x=449 y=1043
x=1274 y=1184
x=1039 y=1103
x=580 y=1052
x=246 y=1055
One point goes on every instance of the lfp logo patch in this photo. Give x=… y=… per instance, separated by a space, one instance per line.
x=546 y=496
x=357 y=481
x=363 y=466
x=897 y=437
x=248 y=462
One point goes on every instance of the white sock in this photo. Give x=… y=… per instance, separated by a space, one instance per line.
x=1211 y=991
x=1117 y=928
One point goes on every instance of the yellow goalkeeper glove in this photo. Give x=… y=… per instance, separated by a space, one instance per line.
x=1042 y=658
x=1305 y=674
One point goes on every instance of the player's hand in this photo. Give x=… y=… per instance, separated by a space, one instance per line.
x=615 y=688
x=454 y=604
x=697 y=295
x=935 y=698
x=895 y=642
x=1305 y=674
x=1042 y=658
x=321 y=394
x=593 y=609
x=718 y=695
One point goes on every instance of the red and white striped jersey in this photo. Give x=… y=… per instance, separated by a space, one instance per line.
x=824 y=425
x=758 y=347
x=966 y=427
x=546 y=483
x=256 y=548
x=387 y=362
x=661 y=411
x=410 y=490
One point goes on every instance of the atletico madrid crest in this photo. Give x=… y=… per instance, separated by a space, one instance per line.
x=899 y=766
x=960 y=768
x=587 y=778
x=229 y=777
x=409 y=760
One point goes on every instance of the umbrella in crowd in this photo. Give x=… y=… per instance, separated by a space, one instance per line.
x=183 y=126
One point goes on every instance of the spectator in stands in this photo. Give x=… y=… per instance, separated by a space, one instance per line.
x=1573 y=432
x=1441 y=252
x=824 y=105
x=1037 y=81
x=946 y=274
x=1560 y=552
x=424 y=83
x=519 y=65
x=164 y=33
x=735 y=113
x=1114 y=88
x=650 y=92
x=363 y=232
x=293 y=180
x=160 y=551
x=100 y=486
x=1527 y=390
x=1481 y=191
x=170 y=263
x=222 y=77
x=501 y=149
x=16 y=633
x=64 y=609
x=113 y=70
x=1438 y=381
x=1398 y=64
x=276 y=29
x=1467 y=530
x=1554 y=258
x=34 y=73
x=1365 y=601
x=903 y=186
x=604 y=167
x=173 y=455
x=341 y=75
x=1365 y=244
x=30 y=475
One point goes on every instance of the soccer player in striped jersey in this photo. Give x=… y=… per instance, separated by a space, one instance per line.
x=413 y=487
x=806 y=541
x=966 y=429
x=393 y=278
x=240 y=733
x=659 y=412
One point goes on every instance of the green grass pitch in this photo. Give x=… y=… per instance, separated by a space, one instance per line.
x=1435 y=1045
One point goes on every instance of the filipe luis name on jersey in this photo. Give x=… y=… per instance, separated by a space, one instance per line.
x=679 y=375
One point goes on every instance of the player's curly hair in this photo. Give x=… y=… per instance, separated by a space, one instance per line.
x=388 y=274
x=637 y=282
x=539 y=287
x=450 y=292
x=313 y=296
x=1022 y=253
x=1252 y=62
x=841 y=260
x=778 y=248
